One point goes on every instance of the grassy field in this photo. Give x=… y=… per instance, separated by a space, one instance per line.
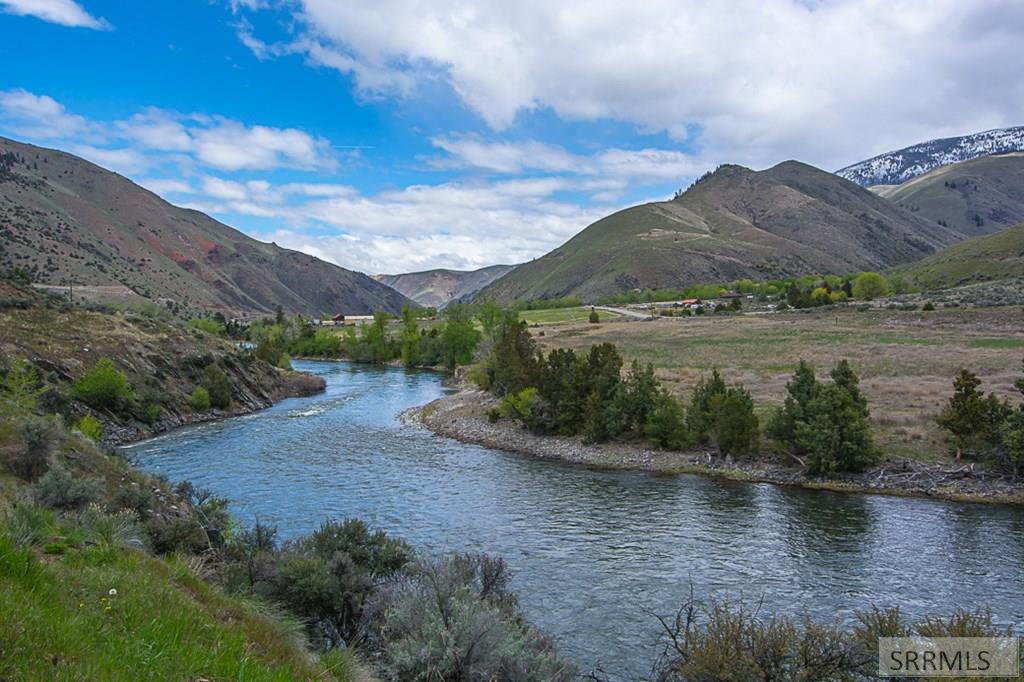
x=564 y=315
x=906 y=360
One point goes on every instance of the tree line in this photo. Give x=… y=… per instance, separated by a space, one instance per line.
x=825 y=425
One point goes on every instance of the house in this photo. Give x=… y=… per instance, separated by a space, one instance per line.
x=341 y=320
x=691 y=303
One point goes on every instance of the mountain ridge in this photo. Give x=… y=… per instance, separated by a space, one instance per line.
x=978 y=196
x=735 y=223
x=437 y=287
x=64 y=219
x=898 y=166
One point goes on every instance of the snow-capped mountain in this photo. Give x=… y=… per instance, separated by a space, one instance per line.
x=896 y=167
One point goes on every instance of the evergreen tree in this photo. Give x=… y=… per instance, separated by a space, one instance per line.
x=844 y=377
x=514 y=363
x=965 y=415
x=666 y=422
x=410 y=337
x=800 y=389
x=836 y=432
x=700 y=418
x=565 y=388
x=459 y=337
x=604 y=368
x=735 y=426
x=634 y=399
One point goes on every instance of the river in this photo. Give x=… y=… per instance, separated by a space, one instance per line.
x=594 y=553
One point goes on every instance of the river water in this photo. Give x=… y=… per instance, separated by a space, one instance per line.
x=595 y=553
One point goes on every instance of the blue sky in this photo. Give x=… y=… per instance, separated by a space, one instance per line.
x=402 y=135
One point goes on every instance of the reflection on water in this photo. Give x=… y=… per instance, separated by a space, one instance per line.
x=594 y=552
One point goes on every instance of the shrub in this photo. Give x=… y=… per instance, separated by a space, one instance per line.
x=928 y=307
x=594 y=317
x=133 y=496
x=208 y=325
x=90 y=427
x=29 y=524
x=217 y=386
x=454 y=619
x=375 y=552
x=38 y=438
x=519 y=405
x=733 y=644
x=176 y=534
x=151 y=413
x=199 y=401
x=328 y=594
x=21 y=389
x=103 y=386
x=284 y=362
x=58 y=489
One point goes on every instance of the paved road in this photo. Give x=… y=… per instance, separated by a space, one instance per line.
x=627 y=312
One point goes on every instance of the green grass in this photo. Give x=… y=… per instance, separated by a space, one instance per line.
x=996 y=343
x=60 y=622
x=564 y=315
x=992 y=257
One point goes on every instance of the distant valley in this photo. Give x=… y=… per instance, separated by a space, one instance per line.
x=436 y=288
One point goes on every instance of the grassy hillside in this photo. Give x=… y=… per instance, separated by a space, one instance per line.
x=435 y=288
x=64 y=219
x=792 y=219
x=60 y=620
x=163 y=359
x=982 y=259
x=976 y=197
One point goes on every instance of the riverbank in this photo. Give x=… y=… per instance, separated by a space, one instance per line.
x=463 y=417
x=289 y=385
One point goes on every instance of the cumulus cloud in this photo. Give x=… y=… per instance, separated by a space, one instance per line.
x=41 y=117
x=531 y=155
x=462 y=224
x=214 y=141
x=758 y=80
x=63 y=12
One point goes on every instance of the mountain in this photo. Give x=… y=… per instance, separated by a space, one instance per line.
x=788 y=220
x=979 y=196
x=65 y=219
x=894 y=168
x=981 y=259
x=436 y=288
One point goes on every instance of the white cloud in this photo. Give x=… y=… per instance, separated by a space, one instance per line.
x=530 y=155
x=63 y=12
x=163 y=186
x=759 y=80
x=230 y=145
x=40 y=116
x=217 y=142
x=125 y=161
x=462 y=224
